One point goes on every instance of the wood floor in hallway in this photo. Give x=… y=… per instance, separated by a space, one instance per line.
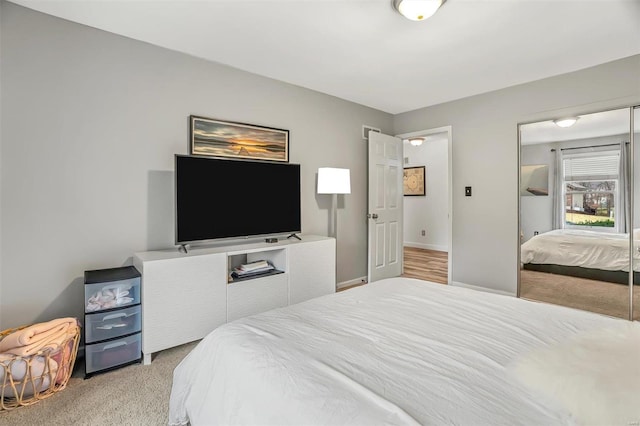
x=429 y=265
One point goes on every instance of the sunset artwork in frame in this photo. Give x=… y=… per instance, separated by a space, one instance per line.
x=215 y=138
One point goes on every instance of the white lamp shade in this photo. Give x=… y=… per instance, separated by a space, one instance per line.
x=334 y=181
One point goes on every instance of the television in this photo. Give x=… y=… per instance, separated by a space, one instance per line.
x=224 y=198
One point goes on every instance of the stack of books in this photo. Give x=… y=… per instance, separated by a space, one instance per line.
x=252 y=269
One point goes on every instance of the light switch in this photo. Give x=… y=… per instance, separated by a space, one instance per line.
x=467 y=191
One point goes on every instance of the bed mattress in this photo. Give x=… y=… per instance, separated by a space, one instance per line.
x=585 y=249
x=398 y=351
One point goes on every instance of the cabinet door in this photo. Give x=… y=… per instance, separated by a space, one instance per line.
x=312 y=269
x=183 y=299
x=257 y=295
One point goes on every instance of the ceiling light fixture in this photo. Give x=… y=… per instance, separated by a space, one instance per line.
x=417 y=10
x=416 y=141
x=566 y=122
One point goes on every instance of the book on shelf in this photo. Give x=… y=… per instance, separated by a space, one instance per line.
x=252 y=269
x=259 y=264
x=241 y=273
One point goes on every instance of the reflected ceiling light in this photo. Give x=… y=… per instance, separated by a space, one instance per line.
x=566 y=122
x=417 y=10
x=416 y=141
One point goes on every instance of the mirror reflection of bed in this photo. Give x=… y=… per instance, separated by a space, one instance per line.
x=574 y=213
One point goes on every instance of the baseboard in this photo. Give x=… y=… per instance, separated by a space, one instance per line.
x=426 y=246
x=359 y=280
x=480 y=288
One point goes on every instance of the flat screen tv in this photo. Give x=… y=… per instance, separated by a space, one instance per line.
x=221 y=198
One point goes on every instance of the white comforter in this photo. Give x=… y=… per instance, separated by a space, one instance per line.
x=573 y=247
x=398 y=351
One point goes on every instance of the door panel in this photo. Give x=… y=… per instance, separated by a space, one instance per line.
x=385 y=206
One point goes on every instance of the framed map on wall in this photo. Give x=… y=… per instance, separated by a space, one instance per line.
x=414 y=181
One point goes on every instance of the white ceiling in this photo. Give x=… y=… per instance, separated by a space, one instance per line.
x=365 y=52
x=607 y=123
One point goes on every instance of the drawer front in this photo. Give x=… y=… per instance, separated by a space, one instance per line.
x=257 y=295
x=113 y=294
x=103 y=326
x=101 y=356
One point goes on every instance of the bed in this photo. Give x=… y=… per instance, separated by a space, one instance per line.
x=586 y=254
x=398 y=351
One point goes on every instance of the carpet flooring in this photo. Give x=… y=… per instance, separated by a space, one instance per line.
x=137 y=395
x=596 y=296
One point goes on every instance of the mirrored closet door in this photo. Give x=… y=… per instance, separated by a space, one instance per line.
x=575 y=211
x=634 y=291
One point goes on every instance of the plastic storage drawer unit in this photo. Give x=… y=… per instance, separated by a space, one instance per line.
x=112 y=324
x=111 y=288
x=112 y=319
x=114 y=353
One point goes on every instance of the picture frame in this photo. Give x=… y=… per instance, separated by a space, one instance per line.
x=414 y=183
x=216 y=138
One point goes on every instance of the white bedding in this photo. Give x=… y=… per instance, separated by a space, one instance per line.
x=398 y=351
x=574 y=247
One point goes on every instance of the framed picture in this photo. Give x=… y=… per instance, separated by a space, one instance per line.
x=534 y=180
x=217 y=138
x=414 y=183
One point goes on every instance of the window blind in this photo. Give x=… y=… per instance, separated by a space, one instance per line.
x=600 y=167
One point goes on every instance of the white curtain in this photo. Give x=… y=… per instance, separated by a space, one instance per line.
x=558 y=190
x=623 y=182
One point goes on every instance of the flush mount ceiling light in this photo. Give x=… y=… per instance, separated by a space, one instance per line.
x=566 y=122
x=417 y=10
x=416 y=141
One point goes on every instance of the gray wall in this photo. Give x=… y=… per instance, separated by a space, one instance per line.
x=485 y=156
x=92 y=123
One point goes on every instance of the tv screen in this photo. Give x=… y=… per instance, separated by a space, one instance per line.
x=219 y=198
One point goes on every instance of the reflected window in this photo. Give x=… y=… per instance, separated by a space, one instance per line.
x=591 y=190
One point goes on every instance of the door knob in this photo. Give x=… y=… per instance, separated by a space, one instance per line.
x=372 y=216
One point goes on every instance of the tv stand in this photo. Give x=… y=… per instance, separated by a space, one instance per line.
x=186 y=296
x=294 y=235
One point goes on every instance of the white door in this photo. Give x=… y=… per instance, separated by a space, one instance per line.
x=385 y=206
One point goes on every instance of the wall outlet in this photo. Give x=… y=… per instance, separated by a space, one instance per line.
x=535 y=232
x=423 y=232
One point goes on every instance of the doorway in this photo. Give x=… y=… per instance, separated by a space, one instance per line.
x=427 y=204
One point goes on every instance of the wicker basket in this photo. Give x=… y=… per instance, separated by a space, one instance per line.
x=29 y=379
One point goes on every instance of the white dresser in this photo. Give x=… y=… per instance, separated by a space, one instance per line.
x=186 y=296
